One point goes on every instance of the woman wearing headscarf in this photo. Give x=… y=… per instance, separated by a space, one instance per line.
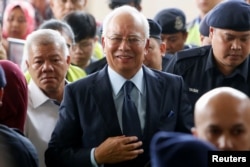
x=18 y=21
x=15 y=98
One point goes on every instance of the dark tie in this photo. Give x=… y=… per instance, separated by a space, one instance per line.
x=130 y=119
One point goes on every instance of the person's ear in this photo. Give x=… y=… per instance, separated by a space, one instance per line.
x=68 y=60
x=139 y=8
x=27 y=64
x=163 y=49
x=96 y=38
x=146 y=47
x=51 y=3
x=194 y=131
x=211 y=32
x=85 y=3
x=103 y=45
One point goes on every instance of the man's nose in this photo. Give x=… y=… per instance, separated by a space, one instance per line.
x=225 y=143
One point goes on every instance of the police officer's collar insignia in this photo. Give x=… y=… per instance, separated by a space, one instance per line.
x=193 y=90
x=178 y=23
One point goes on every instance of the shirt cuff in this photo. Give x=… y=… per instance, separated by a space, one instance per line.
x=92 y=157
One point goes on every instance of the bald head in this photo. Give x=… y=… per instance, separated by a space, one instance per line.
x=223 y=99
x=222 y=116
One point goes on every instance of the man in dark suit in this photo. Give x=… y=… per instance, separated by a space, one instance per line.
x=91 y=129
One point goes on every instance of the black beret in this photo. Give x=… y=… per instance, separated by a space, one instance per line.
x=203 y=27
x=2 y=78
x=154 y=29
x=233 y=15
x=171 y=20
x=174 y=149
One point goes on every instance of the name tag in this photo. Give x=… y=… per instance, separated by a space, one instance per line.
x=193 y=90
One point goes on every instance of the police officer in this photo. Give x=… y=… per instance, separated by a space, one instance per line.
x=154 y=56
x=224 y=63
x=174 y=33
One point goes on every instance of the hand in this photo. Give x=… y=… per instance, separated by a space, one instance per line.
x=118 y=149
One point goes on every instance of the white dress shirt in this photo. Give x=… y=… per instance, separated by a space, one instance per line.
x=42 y=115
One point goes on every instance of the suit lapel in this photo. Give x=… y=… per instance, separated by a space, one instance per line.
x=153 y=101
x=102 y=93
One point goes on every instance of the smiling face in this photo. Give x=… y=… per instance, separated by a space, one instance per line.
x=125 y=44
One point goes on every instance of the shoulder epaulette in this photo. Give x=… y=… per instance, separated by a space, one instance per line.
x=193 y=52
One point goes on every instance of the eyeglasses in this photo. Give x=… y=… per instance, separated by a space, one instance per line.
x=115 y=40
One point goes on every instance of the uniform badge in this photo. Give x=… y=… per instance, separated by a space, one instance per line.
x=178 y=23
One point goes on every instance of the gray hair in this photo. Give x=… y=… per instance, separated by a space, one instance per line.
x=126 y=9
x=45 y=37
x=60 y=26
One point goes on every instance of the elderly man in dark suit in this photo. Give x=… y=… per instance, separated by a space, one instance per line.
x=102 y=122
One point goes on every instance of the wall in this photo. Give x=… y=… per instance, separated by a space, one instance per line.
x=99 y=8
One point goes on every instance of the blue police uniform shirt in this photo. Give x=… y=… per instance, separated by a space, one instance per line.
x=200 y=73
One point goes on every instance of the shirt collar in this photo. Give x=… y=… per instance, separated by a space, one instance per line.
x=38 y=97
x=117 y=80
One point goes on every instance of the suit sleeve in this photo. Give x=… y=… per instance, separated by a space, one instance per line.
x=65 y=148
x=185 y=113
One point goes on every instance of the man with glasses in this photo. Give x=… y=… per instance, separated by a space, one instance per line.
x=93 y=127
x=83 y=25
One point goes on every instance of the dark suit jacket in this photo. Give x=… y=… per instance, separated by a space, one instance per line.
x=96 y=66
x=15 y=149
x=88 y=117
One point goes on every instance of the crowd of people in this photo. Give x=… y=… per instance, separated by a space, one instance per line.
x=129 y=91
